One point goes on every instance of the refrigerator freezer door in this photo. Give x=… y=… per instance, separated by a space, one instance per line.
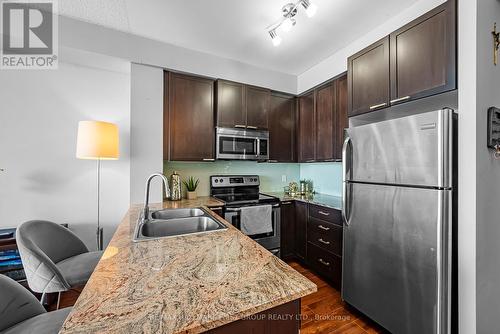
x=396 y=265
x=414 y=150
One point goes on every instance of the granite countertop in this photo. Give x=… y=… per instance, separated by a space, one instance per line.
x=186 y=284
x=334 y=202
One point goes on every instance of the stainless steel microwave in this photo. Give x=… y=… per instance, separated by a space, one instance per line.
x=241 y=144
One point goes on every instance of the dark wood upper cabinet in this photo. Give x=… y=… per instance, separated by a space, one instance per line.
x=189 y=131
x=258 y=102
x=368 y=78
x=325 y=122
x=230 y=104
x=242 y=106
x=341 y=118
x=282 y=128
x=416 y=61
x=423 y=55
x=306 y=129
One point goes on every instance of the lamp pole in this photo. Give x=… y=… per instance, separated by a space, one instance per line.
x=99 y=229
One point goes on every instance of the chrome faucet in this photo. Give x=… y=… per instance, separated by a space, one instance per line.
x=148 y=183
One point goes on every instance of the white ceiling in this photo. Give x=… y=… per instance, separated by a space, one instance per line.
x=236 y=29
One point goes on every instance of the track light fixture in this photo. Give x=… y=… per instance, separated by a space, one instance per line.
x=288 y=21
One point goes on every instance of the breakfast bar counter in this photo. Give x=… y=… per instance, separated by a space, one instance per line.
x=185 y=284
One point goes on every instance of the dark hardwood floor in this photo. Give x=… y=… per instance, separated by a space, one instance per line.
x=322 y=312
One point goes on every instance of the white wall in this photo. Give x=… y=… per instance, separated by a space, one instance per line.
x=43 y=179
x=467 y=21
x=337 y=63
x=146 y=141
x=85 y=36
x=488 y=175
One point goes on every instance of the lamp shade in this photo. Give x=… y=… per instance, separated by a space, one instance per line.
x=97 y=140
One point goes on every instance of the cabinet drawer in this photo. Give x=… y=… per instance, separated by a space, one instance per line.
x=325 y=263
x=326 y=214
x=325 y=235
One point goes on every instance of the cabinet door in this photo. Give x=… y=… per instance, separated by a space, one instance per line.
x=423 y=56
x=258 y=102
x=368 y=75
x=231 y=104
x=287 y=229
x=301 y=229
x=325 y=105
x=282 y=129
x=306 y=128
x=341 y=119
x=190 y=118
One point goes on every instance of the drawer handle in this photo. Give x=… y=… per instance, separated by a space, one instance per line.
x=218 y=208
x=324 y=262
x=252 y=127
x=313 y=160
x=323 y=213
x=240 y=126
x=272 y=161
x=401 y=99
x=208 y=159
x=378 y=106
x=323 y=241
x=324 y=228
x=286 y=203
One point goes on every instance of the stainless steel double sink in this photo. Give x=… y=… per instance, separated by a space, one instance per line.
x=175 y=222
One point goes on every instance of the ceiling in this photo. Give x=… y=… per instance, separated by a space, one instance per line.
x=236 y=29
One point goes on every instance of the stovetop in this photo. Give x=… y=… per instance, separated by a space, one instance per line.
x=235 y=198
x=239 y=190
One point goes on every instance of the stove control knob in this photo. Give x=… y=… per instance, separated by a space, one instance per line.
x=220 y=180
x=216 y=180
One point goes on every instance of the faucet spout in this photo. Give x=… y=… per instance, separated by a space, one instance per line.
x=148 y=184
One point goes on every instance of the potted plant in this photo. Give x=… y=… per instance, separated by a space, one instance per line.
x=191 y=184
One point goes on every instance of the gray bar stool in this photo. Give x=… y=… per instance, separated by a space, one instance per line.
x=54 y=258
x=20 y=311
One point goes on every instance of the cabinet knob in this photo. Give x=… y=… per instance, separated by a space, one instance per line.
x=324 y=262
x=323 y=241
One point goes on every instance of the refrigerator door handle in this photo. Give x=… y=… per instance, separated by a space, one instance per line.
x=345 y=169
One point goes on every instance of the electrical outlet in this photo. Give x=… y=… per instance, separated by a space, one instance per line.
x=283 y=178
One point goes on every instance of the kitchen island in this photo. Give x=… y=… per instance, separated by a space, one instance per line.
x=187 y=284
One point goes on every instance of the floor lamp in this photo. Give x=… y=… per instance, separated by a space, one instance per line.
x=97 y=141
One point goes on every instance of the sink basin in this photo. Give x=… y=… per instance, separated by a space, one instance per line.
x=176 y=222
x=180 y=226
x=177 y=213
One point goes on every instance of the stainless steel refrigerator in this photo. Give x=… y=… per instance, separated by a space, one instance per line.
x=397 y=211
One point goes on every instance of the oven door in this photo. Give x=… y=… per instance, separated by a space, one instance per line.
x=237 y=147
x=270 y=241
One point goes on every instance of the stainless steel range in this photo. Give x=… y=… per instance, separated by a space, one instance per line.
x=238 y=191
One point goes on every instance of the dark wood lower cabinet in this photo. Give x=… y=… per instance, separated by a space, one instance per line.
x=283 y=319
x=325 y=263
x=317 y=236
x=301 y=229
x=287 y=229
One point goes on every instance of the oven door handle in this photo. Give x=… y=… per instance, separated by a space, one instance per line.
x=239 y=209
